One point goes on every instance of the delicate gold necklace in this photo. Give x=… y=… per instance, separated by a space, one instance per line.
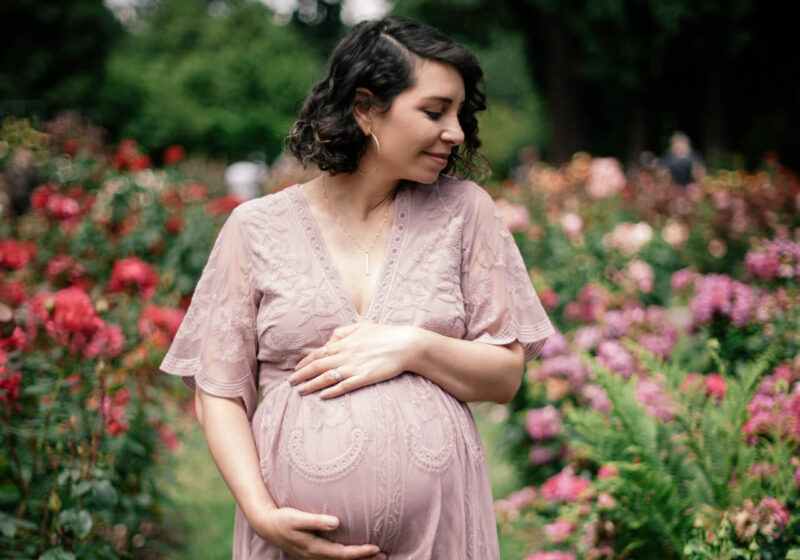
x=347 y=232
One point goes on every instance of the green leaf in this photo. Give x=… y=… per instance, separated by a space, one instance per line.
x=81 y=488
x=57 y=554
x=793 y=554
x=104 y=493
x=80 y=522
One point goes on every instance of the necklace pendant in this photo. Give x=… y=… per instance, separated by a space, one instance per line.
x=366 y=262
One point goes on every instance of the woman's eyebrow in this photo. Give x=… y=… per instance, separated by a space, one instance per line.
x=443 y=99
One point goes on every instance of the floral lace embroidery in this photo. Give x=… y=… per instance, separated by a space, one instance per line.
x=327 y=413
x=435 y=462
x=387 y=508
x=333 y=469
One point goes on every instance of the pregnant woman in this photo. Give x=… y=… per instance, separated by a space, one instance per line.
x=365 y=308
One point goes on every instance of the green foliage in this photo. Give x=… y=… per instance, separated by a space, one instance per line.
x=225 y=84
x=671 y=471
x=53 y=54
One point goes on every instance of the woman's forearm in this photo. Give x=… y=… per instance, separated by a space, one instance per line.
x=230 y=440
x=468 y=370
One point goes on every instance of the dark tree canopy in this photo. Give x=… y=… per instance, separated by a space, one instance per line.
x=53 y=54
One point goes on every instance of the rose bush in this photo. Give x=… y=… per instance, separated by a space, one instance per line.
x=94 y=280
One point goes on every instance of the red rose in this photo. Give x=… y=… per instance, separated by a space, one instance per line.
x=73 y=312
x=133 y=273
x=16 y=254
x=715 y=386
x=160 y=324
x=174 y=154
x=222 y=205
x=41 y=194
x=13 y=292
x=174 y=224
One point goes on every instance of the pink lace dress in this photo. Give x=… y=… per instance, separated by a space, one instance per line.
x=400 y=463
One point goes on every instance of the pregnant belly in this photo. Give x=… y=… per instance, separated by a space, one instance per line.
x=381 y=458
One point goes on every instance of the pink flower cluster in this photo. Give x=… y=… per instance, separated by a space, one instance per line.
x=651 y=394
x=718 y=295
x=778 y=258
x=515 y=216
x=565 y=486
x=552 y=555
x=769 y=518
x=712 y=384
x=516 y=501
x=605 y=178
x=775 y=408
x=590 y=304
x=543 y=424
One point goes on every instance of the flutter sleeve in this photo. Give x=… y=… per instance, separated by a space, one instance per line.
x=500 y=302
x=216 y=346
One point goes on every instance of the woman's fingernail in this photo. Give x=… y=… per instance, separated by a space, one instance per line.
x=332 y=522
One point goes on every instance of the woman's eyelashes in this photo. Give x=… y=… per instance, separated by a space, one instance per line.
x=433 y=115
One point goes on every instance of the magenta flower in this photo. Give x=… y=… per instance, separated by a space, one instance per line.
x=516 y=501
x=559 y=530
x=540 y=455
x=543 y=423
x=653 y=398
x=588 y=337
x=613 y=355
x=597 y=398
x=555 y=345
x=722 y=296
x=565 y=487
x=682 y=279
x=797 y=478
x=552 y=555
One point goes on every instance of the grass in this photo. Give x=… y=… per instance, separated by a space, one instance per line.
x=204 y=506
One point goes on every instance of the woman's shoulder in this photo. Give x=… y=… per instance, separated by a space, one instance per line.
x=263 y=209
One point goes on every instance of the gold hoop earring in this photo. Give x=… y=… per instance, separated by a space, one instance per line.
x=378 y=146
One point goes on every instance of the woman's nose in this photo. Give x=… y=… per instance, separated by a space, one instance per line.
x=453 y=132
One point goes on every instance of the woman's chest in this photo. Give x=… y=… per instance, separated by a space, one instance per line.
x=304 y=295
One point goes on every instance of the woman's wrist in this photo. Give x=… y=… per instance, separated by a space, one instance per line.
x=419 y=343
x=263 y=521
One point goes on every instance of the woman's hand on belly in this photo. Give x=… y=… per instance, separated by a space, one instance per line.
x=295 y=531
x=362 y=353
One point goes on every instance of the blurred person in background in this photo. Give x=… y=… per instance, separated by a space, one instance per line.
x=685 y=164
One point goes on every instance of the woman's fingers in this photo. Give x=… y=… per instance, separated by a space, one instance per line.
x=313 y=369
x=333 y=376
x=304 y=521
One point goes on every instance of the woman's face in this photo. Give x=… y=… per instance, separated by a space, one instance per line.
x=421 y=127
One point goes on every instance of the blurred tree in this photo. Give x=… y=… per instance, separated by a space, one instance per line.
x=620 y=76
x=53 y=54
x=217 y=77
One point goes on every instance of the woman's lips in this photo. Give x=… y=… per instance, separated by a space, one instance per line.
x=441 y=159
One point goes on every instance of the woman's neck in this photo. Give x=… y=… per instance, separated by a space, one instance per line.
x=358 y=196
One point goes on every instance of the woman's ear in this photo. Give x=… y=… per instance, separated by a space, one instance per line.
x=362 y=109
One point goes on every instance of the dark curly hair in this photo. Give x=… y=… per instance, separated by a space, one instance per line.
x=381 y=57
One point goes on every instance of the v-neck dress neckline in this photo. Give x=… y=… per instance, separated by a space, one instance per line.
x=333 y=275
